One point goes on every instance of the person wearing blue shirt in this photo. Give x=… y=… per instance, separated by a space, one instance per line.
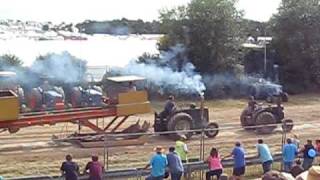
x=174 y=164
x=265 y=156
x=158 y=165
x=289 y=152
x=239 y=166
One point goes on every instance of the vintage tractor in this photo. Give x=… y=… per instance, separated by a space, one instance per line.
x=90 y=96
x=192 y=118
x=46 y=97
x=264 y=118
x=268 y=91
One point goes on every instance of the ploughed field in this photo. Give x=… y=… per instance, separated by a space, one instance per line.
x=32 y=152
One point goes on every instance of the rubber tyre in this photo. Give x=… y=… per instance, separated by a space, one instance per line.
x=265 y=118
x=243 y=121
x=178 y=122
x=213 y=133
x=287 y=125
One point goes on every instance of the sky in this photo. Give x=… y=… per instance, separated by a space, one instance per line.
x=80 y=10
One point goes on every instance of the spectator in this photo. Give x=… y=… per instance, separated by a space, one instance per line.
x=214 y=163
x=174 y=164
x=296 y=169
x=69 y=169
x=318 y=150
x=95 y=168
x=239 y=165
x=265 y=156
x=182 y=148
x=295 y=140
x=289 y=152
x=158 y=165
x=309 y=153
x=276 y=175
x=312 y=174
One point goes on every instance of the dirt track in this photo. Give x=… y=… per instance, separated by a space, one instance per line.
x=31 y=151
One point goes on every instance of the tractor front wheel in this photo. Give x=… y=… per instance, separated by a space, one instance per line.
x=212 y=130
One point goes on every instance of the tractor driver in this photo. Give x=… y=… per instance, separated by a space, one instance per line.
x=169 y=107
x=45 y=85
x=251 y=104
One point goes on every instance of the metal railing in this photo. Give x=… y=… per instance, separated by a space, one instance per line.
x=202 y=143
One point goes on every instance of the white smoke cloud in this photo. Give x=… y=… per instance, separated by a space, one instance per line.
x=165 y=74
x=62 y=67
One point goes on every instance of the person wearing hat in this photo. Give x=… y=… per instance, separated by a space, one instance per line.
x=158 y=165
x=312 y=174
x=309 y=153
x=95 y=168
x=182 y=148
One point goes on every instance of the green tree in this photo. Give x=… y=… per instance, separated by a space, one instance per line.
x=210 y=31
x=9 y=61
x=296 y=31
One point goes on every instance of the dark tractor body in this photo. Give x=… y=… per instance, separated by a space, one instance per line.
x=90 y=97
x=186 y=119
x=268 y=91
x=266 y=118
x=51 y=99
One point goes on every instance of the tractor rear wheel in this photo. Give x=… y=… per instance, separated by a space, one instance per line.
x=180 y=122
x=244 y=120
x=265 y=120
x=214 y=132
x=287 y=125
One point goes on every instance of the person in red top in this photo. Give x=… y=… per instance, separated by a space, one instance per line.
x=95 y=168
x=318 y=150
x=214 y=163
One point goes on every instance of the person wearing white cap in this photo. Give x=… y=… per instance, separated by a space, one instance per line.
x=158 y=165
x=182 y=148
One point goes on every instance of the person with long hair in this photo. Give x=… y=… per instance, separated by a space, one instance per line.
x=214 y=163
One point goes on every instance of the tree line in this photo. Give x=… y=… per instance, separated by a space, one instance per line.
x=213 y=30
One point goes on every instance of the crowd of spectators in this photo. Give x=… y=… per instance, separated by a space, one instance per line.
x=297 y=163
x=163 y=166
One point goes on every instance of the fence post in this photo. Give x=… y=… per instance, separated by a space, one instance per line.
x=202 y=151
